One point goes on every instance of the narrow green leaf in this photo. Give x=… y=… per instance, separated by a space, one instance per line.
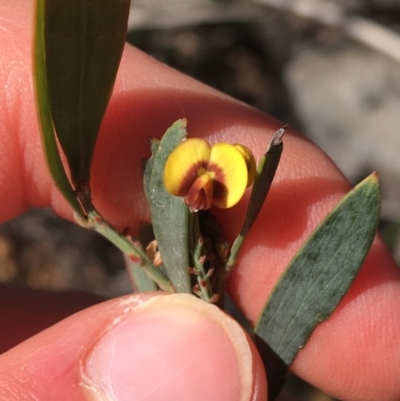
x=147 y=166
x=170 y=215
x=266 y=170
x=50 y=147
x=140 y=280
x=322 y=271
x=84 y=40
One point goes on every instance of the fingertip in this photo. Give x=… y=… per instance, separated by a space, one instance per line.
x=181 y=348
x=146 y=347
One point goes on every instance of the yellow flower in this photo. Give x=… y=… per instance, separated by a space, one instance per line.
x=209 y=176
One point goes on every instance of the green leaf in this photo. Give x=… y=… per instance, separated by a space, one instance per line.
x=84 y=40
x=322 y=271
x=147 y=166
x=266 y=170
x=140 y=280
x=170 y=215
x=48 y=135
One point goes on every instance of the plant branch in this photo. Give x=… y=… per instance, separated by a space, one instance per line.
x=134 y=251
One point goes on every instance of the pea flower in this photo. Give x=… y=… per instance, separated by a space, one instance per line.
x=208 y=175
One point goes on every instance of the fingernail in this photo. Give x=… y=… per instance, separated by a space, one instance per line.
x=171 y=347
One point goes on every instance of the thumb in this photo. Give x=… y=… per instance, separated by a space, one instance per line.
x=141 y=347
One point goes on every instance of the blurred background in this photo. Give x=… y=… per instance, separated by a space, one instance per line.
x=328 y=68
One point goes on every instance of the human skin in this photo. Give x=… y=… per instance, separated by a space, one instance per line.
x=355 y=355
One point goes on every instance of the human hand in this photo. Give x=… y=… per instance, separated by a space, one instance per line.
x=355 y=355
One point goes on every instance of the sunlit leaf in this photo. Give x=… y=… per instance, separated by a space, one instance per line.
x=169 y=213
x=147 y=166
x=322 y=271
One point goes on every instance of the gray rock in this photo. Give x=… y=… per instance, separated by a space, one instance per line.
x=348 y=100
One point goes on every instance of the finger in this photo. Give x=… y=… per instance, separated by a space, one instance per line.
x=26 y=312
x=361 y=348
x=143 y=347
x=147 y=99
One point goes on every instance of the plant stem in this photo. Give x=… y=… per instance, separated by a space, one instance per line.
x=205 y=291
x=130 y=248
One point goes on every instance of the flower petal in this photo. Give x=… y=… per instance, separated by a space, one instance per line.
x=200 y=194
x=250 y=162
x=229 y=171
x=185 y=164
